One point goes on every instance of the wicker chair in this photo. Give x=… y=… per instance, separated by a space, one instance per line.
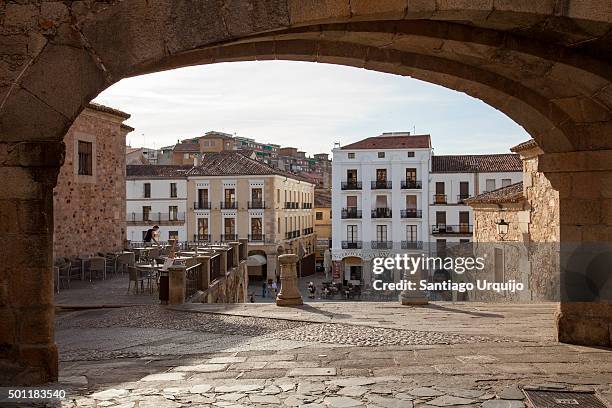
x=124 y=261
x=97 y=266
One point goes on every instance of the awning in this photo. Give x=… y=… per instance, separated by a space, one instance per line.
x=256 y=260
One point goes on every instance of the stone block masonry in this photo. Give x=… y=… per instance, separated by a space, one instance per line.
x=89 y=210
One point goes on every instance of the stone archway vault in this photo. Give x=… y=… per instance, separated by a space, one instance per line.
x=545 y=64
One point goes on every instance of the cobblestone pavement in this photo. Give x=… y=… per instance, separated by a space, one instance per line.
x=150 y=356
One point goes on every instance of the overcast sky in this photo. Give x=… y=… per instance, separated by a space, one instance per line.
x=305 y=105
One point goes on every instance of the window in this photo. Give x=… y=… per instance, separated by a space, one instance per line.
x=506 y=182
x=202 y=198
x=278 y=229
x=351 y=155
x=173 y=235
x=229 y=197
x=351 y=202
x=186 y=156
x=256 y=226
x=319 y=215
x=381 y=174
x=278 y=195
x=147 y=190
x=351 y=233
x=490 y=185
x=410 y=154
x=202 y=228
x=411 y=233
x=381 y=155
x=173 y=190
x=85 y=158
x=229 y=226
x=173 y=213
x=411 y=174
x=146 y=213
x=381 y=233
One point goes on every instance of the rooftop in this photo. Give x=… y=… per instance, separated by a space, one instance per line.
x=471 y=163
x=528 y=144
x=389 y=141
x=509 y=194
x=156 y=170
x=234 y=163
x=187 y=147
x=322 y=198
x=106 y=109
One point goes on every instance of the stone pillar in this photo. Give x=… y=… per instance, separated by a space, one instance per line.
x=28 y=354
x=413 y=297
x=289 y=294
x=205 y=268
x=271 y=265
x=584 y=183
x=176 y=285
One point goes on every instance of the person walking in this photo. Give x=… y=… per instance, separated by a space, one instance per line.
x=264 y=286
x=151 y=235
x=274 y=289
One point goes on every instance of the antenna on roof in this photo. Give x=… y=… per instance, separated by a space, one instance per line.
x=336 y=145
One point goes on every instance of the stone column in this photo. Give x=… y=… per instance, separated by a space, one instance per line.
x=584 y=183
x=289 y=294
x=29 y=173
x=176 y=285
x=413 y=297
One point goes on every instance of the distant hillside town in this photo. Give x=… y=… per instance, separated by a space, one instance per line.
x=316 y=169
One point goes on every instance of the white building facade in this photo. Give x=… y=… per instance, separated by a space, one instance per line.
x=391 y=195
x=379 y=202
x=156 y=195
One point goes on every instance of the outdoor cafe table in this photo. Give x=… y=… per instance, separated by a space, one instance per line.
x=150 y=269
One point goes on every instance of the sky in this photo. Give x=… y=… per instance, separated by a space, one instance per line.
x=305 y=105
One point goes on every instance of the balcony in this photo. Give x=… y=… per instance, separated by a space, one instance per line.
x=201 y=205
x=381 y=213
x=411 y=213
x=461 y=229
x=412 y=244
x=307 y=206
x=229 y=237
x=158 y=218
x=350 y=213
x=439 y=199
x=292 y=234
x=382 y=244
x=201 y=237
x=350 y=185
x=462 y=197
x=352 y=244
x=290 y=205
x=412 y=184
x=257 y=238
x=256 y=205
x=307 y=231
x=228 y=205
x=381 y=185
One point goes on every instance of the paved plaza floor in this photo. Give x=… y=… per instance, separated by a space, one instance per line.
x=323 y=354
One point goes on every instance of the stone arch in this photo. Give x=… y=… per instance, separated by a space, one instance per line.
x=545 y=64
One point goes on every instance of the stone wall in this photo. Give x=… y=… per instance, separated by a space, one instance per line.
x=89 y=211
x=233 y=288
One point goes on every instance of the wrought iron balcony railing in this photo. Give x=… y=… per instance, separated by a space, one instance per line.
x=257 y=237
x=350 y=213
x=439 y=199
x=412 y=244
x=381 y=184
x=411 y=213
x=229 y=237
x=352 y=244
x=350 y=185
x=258 y=204
x=452 y=229
x=201 y=205
x=381 y=213
x=202 y=237
x=382 y=244
x=412 y=184
x=228 y=205
x=462 y=197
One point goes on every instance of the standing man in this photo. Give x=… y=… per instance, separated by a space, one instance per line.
x=151 y=235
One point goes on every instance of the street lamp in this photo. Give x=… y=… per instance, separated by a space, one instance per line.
x=502 y=228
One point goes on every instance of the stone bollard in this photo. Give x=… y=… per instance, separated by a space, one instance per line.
x=176 y=286
x=289 y=294
x=414 y=297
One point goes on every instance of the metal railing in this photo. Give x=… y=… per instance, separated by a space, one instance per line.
x=412 y=184
x=350 y=213
x=193 y=280
x=462 y=197
x=382 y=244
x=381 y=213
x=256 y=204
x=307 y=206
x=412 y=244
x=201 y=205
x=229 y=237
x=292 y=234
x=201 y=237
x=215 y=268
x=307 y=231
x=439 y=198
x=228 y=205
x=452 y=229
x=411 y=213
x=352 y=244
x=229 y=260
x=159 y=218
x=350 y=185
x=381 y=185
x=291 y=205
x=257 y=237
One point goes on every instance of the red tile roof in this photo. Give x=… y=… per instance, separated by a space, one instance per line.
x=322 y=198
x=509 y=194
x=234 y=163
x=156 y=171
x=106 y=109
x=528 y=144
x=485 y=163
x=187 y=147
x=391 y=142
